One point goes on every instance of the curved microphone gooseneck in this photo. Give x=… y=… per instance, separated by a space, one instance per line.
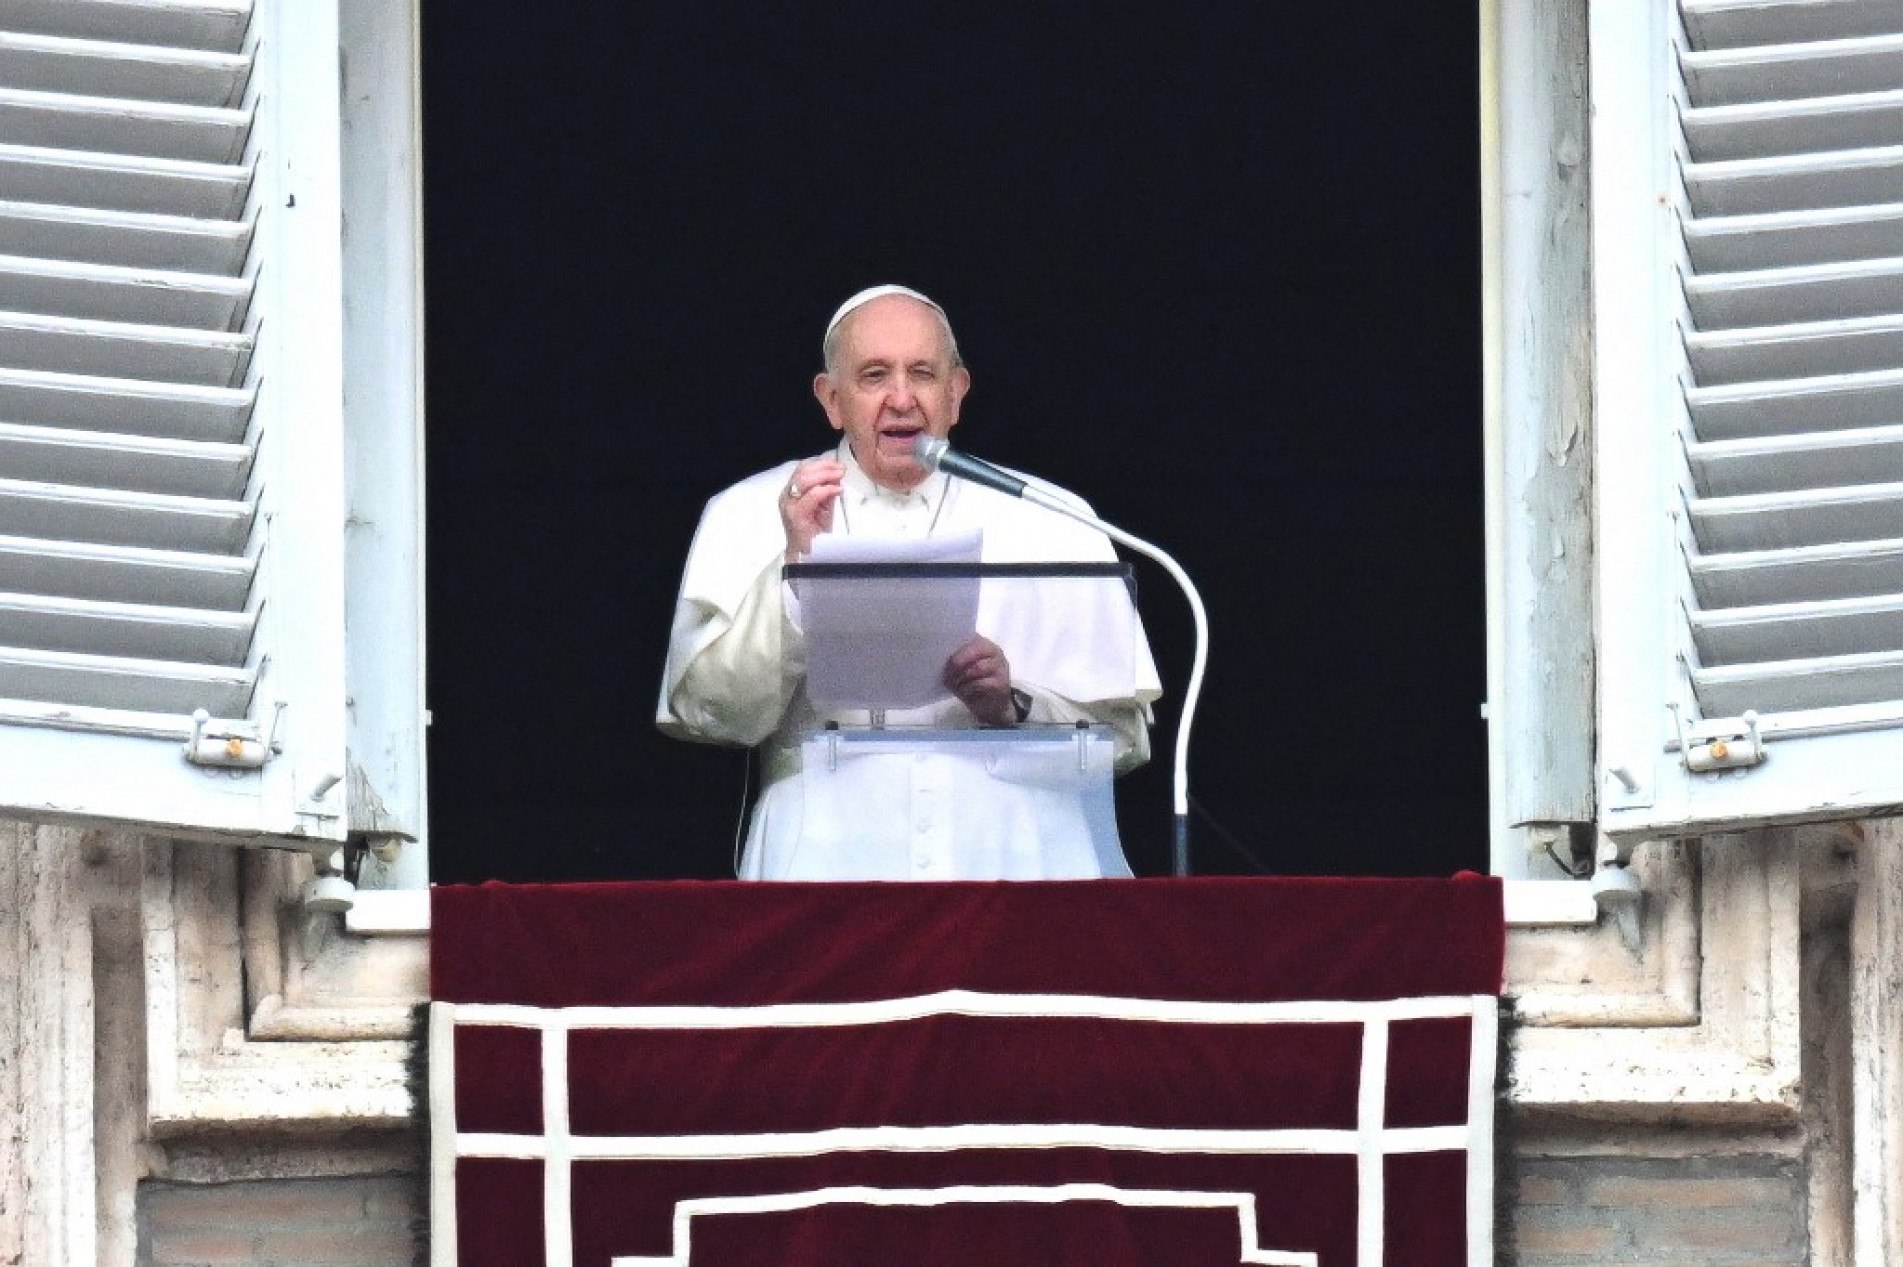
x=936 y=454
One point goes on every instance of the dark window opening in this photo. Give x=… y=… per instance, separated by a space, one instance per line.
x=1215 y=267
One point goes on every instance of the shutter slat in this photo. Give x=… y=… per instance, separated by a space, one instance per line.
x=91 y=681
x=1831 y=403
x=182 y=411
x=1780 y=296
x=118 y=182
x=141 y=72
x=1816 y=125
x=107 y=125
x=110 y=293
x=1804 y=350
x=1752 y=186
x=125 y=574
x=1784 y=685
x=1715 y=24
x=191 y=635
x=1783 y=239
x=1810 y=68
x=113 y=293
x=125 y=239
x=1855 y=626
x=1809 y=574
x=217 y=25
x=104 y=459
x=120 y=349
x=1725 y=468
x=104 y=516
x=1808 y=517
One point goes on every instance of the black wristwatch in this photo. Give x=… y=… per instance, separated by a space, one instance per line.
x=1021 y=703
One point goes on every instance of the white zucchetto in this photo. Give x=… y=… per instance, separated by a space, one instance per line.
x=871 y=293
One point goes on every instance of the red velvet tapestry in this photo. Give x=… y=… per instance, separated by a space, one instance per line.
x=1205 y=1071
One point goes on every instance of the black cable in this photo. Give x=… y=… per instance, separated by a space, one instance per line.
x=1582 y=872
x=1229 y=838
x=746 y=804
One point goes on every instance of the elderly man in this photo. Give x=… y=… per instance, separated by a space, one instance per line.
x=734 y=670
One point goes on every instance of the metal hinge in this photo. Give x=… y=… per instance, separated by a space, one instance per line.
x=1727 y=743
x=234 y=745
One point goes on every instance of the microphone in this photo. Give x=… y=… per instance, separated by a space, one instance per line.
x=935 y=453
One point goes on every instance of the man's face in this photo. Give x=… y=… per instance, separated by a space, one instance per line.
x=895 y=382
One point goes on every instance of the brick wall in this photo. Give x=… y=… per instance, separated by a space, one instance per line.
x=356 y=1222
x=1712 y=1211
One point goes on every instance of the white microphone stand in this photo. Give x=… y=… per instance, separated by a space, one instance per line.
x=1179 y=835
x=935 y=453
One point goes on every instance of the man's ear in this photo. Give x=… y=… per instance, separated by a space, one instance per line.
x=828 y=398
x=960 y=384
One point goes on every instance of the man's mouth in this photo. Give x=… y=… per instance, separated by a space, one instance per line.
x=900 y=437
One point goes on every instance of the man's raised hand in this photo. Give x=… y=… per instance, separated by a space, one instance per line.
x=806 y=503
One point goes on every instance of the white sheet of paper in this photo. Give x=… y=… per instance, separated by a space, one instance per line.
x=882 y=643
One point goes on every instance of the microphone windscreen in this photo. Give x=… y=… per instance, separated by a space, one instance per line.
x=929 y=450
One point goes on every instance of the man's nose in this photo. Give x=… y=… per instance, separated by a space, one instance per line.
x=901 y=398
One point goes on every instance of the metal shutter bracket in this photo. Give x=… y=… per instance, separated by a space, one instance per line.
x=1733 y=743
x=232 y=744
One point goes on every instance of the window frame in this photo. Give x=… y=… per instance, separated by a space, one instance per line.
x=1538 y=427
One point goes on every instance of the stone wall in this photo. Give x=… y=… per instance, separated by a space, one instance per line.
x=346 y=1222
x=194 y=1065
x=1747 y=1211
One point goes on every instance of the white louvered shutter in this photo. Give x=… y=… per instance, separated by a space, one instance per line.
x=1749 y=305
x=173 y=466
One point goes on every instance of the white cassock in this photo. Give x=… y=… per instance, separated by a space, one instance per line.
x=735 y=675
